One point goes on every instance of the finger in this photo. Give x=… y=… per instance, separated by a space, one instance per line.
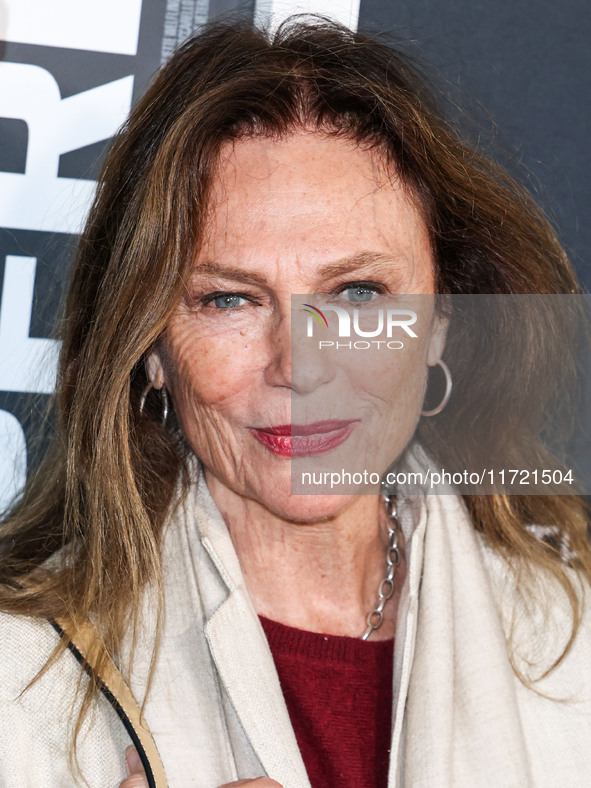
x=135 y=781
x=133 y=762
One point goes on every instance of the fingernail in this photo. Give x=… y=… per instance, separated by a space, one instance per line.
x=133 y=762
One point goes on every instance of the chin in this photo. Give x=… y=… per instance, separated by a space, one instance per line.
x=302 y=508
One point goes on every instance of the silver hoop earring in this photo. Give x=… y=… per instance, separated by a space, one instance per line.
x=163 y=397
x=446 y=396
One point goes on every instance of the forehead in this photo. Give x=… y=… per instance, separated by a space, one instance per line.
x=309 y=196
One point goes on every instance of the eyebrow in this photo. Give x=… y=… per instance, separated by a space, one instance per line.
x=332 y=270
x=347 y=265
x=228 y=272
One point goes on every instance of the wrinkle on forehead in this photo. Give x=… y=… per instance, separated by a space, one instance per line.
x=226 y=173
x=308 y=193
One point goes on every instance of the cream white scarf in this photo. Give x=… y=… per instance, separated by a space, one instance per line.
x=460 y=719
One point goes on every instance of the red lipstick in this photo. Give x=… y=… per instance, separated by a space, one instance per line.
x=302 y=440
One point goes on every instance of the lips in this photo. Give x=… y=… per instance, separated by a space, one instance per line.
x=302 y=440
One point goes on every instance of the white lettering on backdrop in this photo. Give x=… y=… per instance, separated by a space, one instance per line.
x=26 y=364
x=273 y=12
x=38 y=199
x=105 y=26
x=13 y=458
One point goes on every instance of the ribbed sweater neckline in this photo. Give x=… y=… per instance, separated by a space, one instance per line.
x=288 y=640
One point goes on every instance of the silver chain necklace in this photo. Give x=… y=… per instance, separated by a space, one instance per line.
x=386 y=589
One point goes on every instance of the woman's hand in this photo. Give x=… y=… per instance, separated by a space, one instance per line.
x=137 y=777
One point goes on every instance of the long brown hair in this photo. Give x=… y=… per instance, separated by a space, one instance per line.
x=98 y=502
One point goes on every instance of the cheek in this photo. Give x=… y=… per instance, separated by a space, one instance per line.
x=208 y=370
x=389 y=388
x=211 y=380
x=392 y=376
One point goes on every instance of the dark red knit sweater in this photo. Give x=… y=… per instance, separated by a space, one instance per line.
x=338 y=692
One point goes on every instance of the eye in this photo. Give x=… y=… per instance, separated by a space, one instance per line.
x=361 y=292
x=225 y=300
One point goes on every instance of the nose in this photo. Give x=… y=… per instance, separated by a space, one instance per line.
x=295 y=362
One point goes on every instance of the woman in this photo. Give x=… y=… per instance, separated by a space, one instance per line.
x=327 y=639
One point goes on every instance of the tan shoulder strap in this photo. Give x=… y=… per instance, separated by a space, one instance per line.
x=120 y=696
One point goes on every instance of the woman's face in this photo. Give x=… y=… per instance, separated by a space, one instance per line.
x=308 y=214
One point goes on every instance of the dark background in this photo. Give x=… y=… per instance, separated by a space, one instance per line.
x=525 y=66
